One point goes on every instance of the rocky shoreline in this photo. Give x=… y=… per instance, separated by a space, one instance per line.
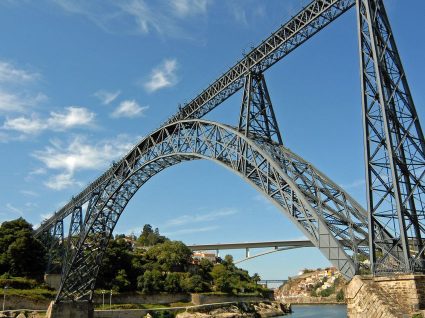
x=238 y=310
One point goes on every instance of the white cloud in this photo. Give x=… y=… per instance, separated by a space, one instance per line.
x=106 y=97
x=70 y=118
x=14 y=94
x=11 y=74
x=197 y=218
x=26 y=125
x=166 y=18
x=78 y=155
x=130 y=109
x=18 y=102
x=184 y=8
x=61 y=181
x=162 y=76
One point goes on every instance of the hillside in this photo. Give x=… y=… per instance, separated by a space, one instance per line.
x=313 y=286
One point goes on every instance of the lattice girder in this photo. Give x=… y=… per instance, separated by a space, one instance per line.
x=331 y=219
x=394 y=145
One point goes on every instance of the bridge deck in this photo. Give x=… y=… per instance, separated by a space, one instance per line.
x=243 y=245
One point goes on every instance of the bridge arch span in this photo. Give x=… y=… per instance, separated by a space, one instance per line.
x=329 y=217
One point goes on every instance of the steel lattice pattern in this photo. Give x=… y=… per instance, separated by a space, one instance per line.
x=390 y=231
x=278 y=173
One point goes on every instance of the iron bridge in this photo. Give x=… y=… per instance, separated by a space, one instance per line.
x=389 y=230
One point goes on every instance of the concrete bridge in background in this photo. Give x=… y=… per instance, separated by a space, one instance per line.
x=272 y=246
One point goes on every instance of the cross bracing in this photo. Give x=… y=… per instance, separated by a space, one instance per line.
x=287 y=38
x=332 y=226
x=390 y=231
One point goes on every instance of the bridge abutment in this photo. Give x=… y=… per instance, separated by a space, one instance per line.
x=75 y=309
x=386 y=296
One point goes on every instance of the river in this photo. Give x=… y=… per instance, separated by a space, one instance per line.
x=322 y=311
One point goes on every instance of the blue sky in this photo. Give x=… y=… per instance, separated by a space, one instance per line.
x=81 y=82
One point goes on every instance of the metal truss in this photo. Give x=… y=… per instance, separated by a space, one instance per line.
x=309 y=21
x=56 y=248
x=394 y=146
x=331 y=219
x=257 y=114
x=75 y=227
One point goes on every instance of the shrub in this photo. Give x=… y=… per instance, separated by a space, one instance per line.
x=340 y=296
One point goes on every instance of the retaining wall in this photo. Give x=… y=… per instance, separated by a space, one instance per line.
x=395 y=296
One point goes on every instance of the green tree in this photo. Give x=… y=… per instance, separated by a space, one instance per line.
x=117 y=257
x=150 y=281
x=256 y=278
x=224 y=279
x=26 y=256
x=121 y=282
x=192 y=283
x=20 y=253
x=172 y=283
x=171 y=256
x=150 y=237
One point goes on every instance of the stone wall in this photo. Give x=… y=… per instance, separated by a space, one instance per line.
x=143 y=299
x=201 y=299
x=408 y=289
x=309 y=300
x=19 y=302
x=388 y=297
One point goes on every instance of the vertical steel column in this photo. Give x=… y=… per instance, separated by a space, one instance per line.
x=257 y=114
x=75 y=228
x=394 y=147
x=56 y=249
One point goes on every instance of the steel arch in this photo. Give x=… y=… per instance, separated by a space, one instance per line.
x=330 y=218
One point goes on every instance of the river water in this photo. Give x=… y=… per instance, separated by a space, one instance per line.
x=322 y=311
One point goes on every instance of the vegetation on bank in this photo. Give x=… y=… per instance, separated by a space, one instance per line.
x=150 y=263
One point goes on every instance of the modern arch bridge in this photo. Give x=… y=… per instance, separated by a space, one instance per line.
x=390 y=230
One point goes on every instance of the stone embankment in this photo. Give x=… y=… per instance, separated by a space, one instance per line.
x=395 y=296
x=237 y=310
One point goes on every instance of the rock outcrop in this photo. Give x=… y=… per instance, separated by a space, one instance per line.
x=238 y=310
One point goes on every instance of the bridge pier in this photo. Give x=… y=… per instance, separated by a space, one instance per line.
x=74 y=309
x=386 y=296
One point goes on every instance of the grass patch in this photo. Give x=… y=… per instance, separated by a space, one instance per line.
x=142 y=306
x=35 y=293
x=181 y=304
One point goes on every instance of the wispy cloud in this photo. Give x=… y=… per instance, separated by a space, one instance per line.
x=78 y=155
x=14 y=93
x=162 y=76
x=106 y=97
x=185 y=8
x=14 y=209
x=62 y=181
x=72 y=117
x=29 y=193
x=129 y=109
x=16 y=101
x=58 y=121
x=166 y=18
x=192 y=230
x=9 y=73
x=245 y=12
x=197 y=218
x=355 y=184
